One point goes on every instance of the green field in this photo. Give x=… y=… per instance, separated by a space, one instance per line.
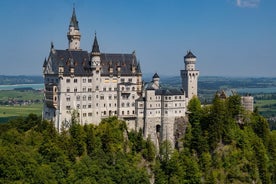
x=9 y=110
x=20 y=95
x=266 y=107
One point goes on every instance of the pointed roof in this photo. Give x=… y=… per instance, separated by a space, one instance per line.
x=139 y=68
x=45 y=63
x=189 y=55
x=95 y=47
x=74 y=22
x=155 y=76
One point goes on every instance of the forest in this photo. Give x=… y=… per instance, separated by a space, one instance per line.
x=222 y=143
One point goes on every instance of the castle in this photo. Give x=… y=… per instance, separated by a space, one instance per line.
x=97 y=85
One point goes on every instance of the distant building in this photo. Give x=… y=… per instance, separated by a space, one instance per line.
x=248 y=102
x=97 y=85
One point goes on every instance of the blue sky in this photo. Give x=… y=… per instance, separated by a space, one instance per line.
x=229 y=37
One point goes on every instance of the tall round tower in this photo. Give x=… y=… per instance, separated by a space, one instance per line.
x=73 y=34
x=189 y=75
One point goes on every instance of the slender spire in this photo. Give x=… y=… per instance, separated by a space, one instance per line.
x=74 y=22
x=95 y=47
x=45 y=62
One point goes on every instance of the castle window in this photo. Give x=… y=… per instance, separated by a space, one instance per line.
x=133 y=104
x=89 y=89
x=175 y=97
x=89 y=97
x=179 y=97
x=78 y=98
x=110 y=89
x=122 y=80
x=158 y=128
x=68 y=98
x=123 y=104
x=68 y=80
x=90 y=114
x=115 y=105
x=78 y=106
x=84 y=89
x=127 y=112
x=109 y=105
x=115 y=89
x=89 y=105
x=75 y=90
x=130 y=80
x=84 y=106
x=109 y=97
x=97 y=87
x=133 y=112
x=68 y=90
x=102 y=97
x=68 y=107
x=75 y=80
x=175 y=105
x=84 y=115
x=166 y=112
x=115 y=97
x=84 y=80
x=123 y=112
x=84 y=98
x=123 y=88
x=104 y=105
x=104 y=89
x=89 y=80
x=133 y=97
x=127 y=104
x=97 y=104
x=115 y=112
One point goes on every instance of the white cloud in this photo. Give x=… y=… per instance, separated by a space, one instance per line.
x=247 y=3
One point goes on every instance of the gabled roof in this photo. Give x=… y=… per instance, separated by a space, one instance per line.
x=189 y=55
x=80 y=61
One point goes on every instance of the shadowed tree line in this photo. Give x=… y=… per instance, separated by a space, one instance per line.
x=223 y=144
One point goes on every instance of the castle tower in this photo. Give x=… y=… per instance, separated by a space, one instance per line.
x=73 y=34
x=189 y=76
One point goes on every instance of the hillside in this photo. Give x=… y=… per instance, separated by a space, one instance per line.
x=222 y=144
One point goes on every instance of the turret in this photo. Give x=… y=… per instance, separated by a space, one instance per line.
x=95 y=54
x=156 y=80
x=73 y=34
x=190 y=60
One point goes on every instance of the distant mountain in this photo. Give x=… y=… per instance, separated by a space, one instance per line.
x=20 y=79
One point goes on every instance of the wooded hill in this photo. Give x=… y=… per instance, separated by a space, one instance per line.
x=223 y=144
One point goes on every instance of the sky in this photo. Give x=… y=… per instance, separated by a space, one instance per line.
x=229 y=37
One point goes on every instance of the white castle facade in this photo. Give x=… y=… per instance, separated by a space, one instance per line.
x=96 y=85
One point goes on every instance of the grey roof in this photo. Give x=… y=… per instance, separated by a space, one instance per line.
x=95 y=47
x=189 y=55
x=80 y=60
x=168 y=92
x=74 y=22
x=155 y=76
